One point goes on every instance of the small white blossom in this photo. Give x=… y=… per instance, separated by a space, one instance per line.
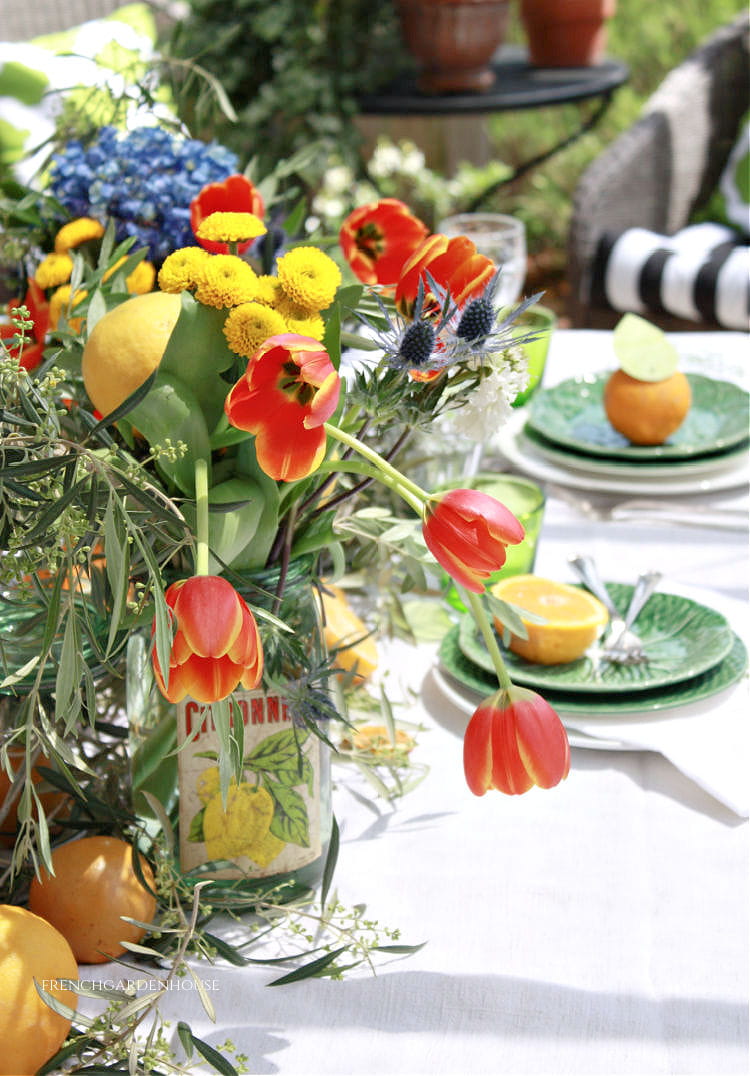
x=489 y=406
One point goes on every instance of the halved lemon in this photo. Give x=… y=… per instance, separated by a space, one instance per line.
x=347 y=635
x=573 y=618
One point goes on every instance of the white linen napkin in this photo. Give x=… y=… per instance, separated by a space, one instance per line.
x=708 y=741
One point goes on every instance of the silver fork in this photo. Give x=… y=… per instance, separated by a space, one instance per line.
x=587 y=572
x=626 y=648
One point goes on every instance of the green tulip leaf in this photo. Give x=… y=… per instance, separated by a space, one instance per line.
x=231 y=529
x=256 y=551
x=197 y=353
x=171 y=412
x=643 y=350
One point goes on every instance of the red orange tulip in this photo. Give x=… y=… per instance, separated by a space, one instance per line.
x=216 y=646
x=377 y=239
x=467 y=532
x=235 y=195
x=514 y=741
x=454 y=264
x=289 y=390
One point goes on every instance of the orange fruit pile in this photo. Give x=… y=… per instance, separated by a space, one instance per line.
x=573 y=618
x=94 y=884
x=30 y=1031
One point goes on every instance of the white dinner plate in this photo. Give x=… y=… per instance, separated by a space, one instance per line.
x=519 y=451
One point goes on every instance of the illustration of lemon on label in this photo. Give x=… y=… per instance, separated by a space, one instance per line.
x=260 y=817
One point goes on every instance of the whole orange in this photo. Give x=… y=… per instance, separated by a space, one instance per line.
x=646 y=412
x=31 y=948
x=93 y=885
x=50 y=798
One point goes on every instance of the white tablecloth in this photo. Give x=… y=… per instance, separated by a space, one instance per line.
x=597 y=928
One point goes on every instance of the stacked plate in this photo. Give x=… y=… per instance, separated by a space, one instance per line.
x=693 y=653
x=564 y=436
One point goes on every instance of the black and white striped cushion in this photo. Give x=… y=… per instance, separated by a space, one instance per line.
x=700 y=274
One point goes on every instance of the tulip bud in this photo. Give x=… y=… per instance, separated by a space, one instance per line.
x=216 y=646
x=513 y=741
x=467 y=532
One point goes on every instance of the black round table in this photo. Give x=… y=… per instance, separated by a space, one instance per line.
x=518 y=85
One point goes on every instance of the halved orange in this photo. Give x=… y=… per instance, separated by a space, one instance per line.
x=347 y=635
x=573 y=618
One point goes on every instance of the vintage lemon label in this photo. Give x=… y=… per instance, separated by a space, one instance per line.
x=271 y=821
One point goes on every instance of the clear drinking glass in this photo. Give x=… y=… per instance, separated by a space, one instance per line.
x=499 y=237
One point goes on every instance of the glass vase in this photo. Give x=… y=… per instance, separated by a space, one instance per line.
x=274 y=827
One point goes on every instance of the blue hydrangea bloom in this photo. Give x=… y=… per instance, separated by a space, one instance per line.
x=144 y=180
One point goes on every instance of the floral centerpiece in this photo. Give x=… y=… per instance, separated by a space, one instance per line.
x=167 y=448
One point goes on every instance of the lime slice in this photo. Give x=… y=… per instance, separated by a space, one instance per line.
x=643 y=350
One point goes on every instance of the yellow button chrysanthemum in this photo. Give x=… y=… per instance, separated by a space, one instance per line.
x=226 y=281
x=312 y=325
x=309 y=277
x=182 y=270
x=76 y=232
x=269 y=290
x=248 y=325
x=61 y=301
x=142 y=279
x=54 y=270
x=230 y=227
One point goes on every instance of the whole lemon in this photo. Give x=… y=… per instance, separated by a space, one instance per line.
x=30 y=948
x=646 y=412
x=125 y=347
x=94 y=884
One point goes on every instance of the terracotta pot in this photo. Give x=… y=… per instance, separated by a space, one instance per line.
x=566 y=33
x=453 y=41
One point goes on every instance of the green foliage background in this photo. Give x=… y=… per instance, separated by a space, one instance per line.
x=293 y=70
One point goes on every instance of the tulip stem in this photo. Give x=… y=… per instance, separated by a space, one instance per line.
x=201 y=516
x=409 y=491
x=483 y=623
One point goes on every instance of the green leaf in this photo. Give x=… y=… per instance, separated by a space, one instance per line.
x=171 y=410
x=225 y=950
x=290 y=822
x=232 y=533
x=208 y=1053
x=197 y=352
x=117 y=566
x=404 y=950
x=186 y=1038
x=196 y=827
x=68 y=669
x=311 y=970
x=330 y=864
x=318 y=535
x=643 y=349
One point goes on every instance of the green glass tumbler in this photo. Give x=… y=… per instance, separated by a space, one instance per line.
x=542 y=320
x=526 y=500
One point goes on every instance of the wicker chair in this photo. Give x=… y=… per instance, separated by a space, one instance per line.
x=659 y=172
